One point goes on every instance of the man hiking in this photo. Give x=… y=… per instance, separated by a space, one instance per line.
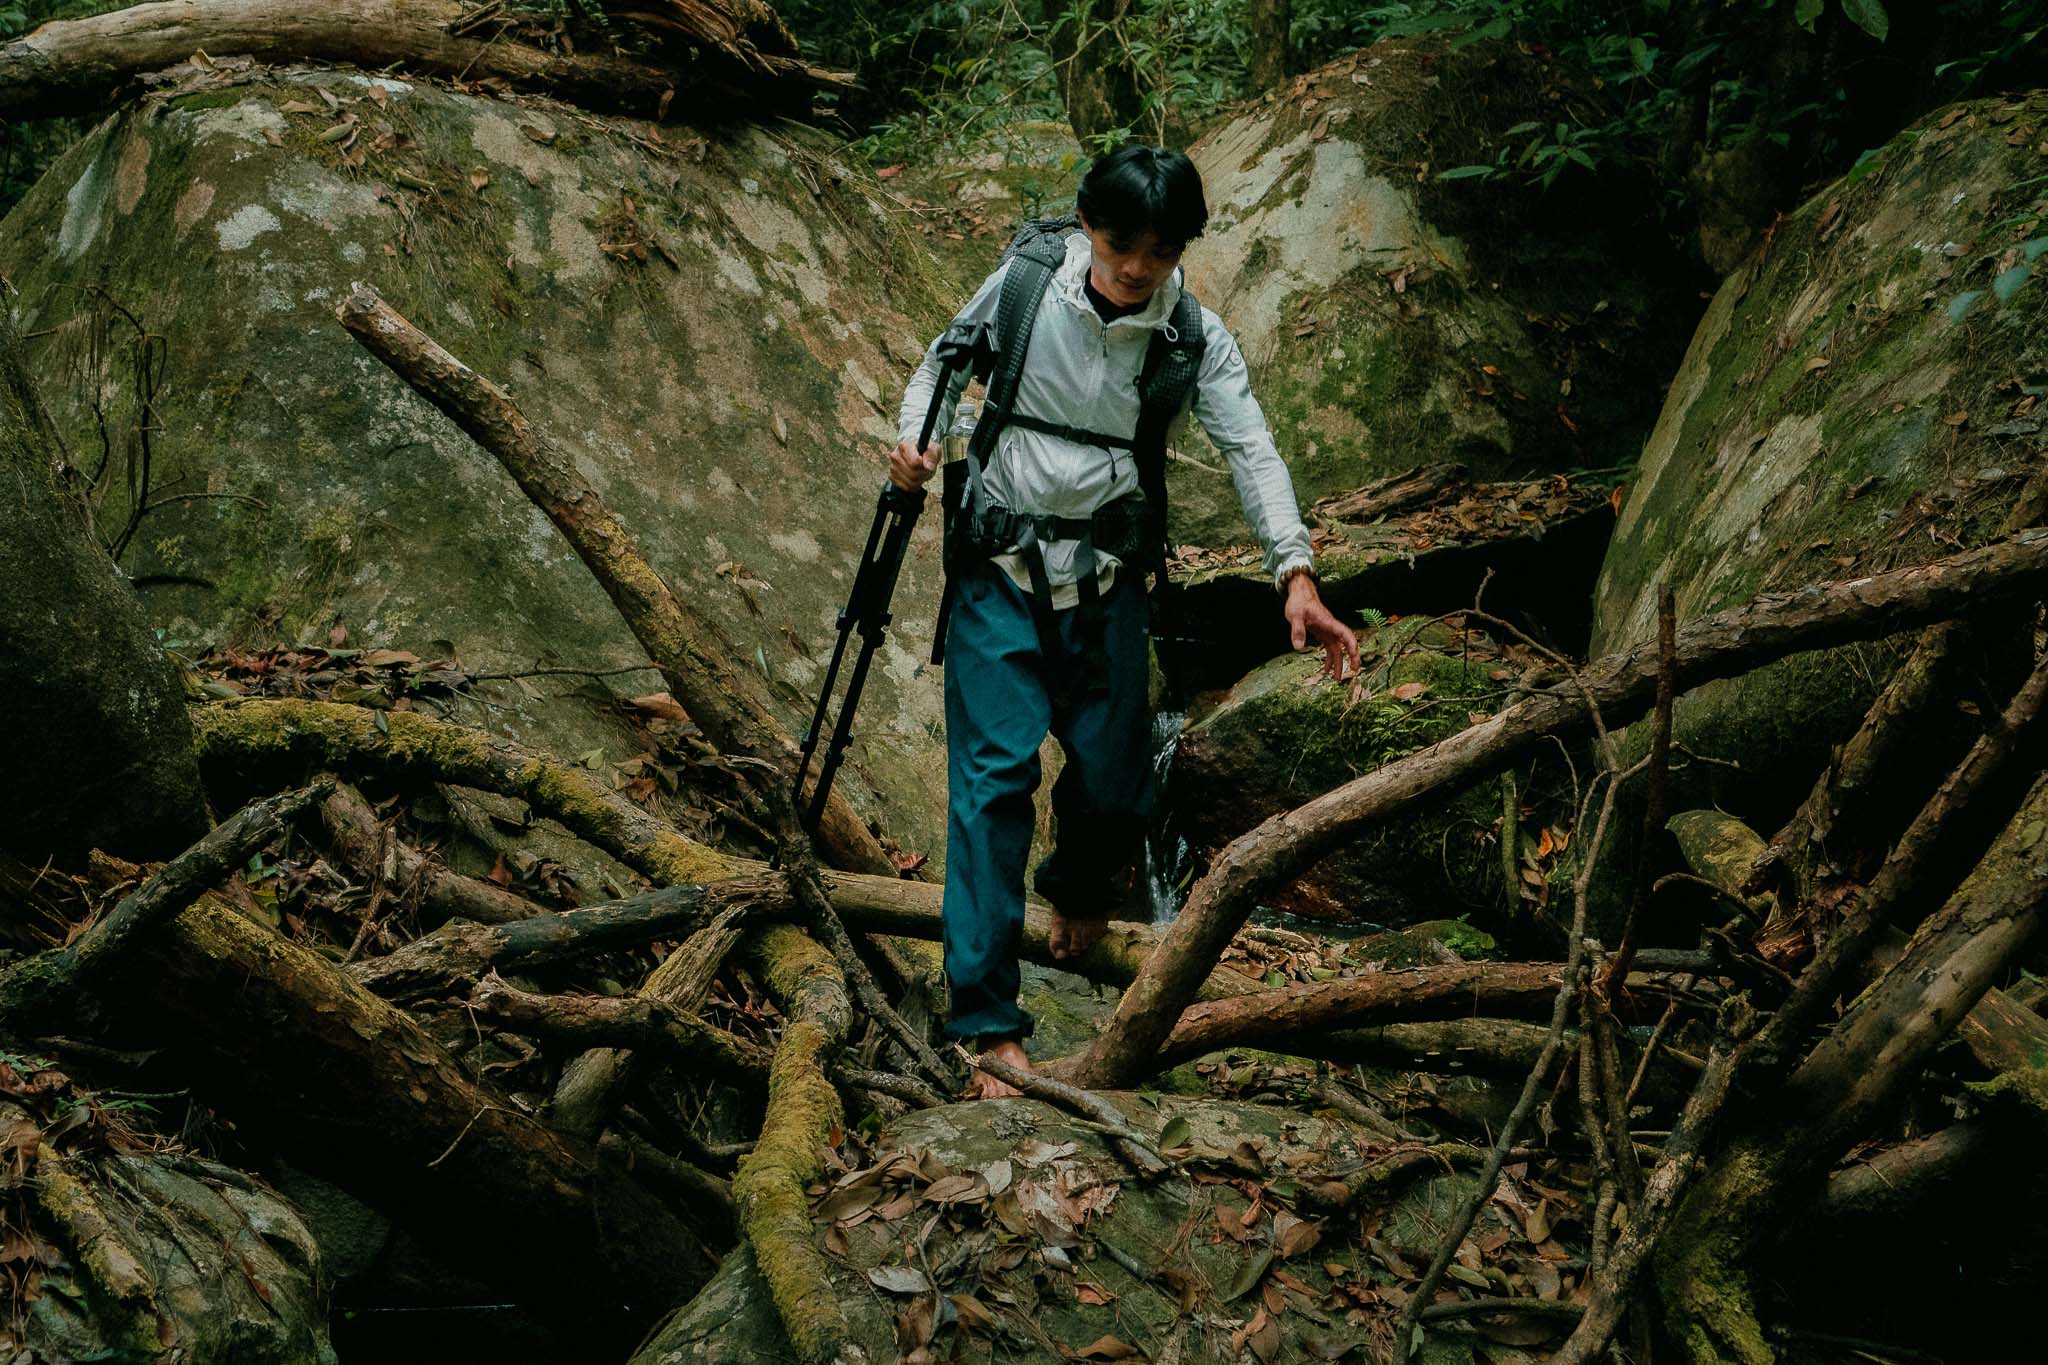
x=1053 y=520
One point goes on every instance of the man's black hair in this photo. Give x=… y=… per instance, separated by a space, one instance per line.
x=1138 y=187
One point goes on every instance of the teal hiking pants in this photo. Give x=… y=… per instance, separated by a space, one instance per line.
x=1002 y=697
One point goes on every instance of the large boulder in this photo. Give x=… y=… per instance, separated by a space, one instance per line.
x=715 y=321
x=1391 y=318
x=1285 y=734
x=1860 y=396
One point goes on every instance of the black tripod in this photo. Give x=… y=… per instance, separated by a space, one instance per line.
x=867 y=605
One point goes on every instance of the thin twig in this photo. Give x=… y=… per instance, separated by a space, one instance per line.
x=1405 y=1334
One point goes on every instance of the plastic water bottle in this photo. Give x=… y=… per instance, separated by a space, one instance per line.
x=962 y=430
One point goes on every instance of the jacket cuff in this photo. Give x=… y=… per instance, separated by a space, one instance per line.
x=1294 y=568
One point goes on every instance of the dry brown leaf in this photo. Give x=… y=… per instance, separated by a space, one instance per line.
x=1409 y=691
x=1105 y=1348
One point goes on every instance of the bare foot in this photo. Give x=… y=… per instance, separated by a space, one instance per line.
x=986 y=1087
x=1071 y=938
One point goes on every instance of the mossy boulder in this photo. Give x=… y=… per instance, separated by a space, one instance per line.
x=1019 y=1246
x=1286 y=733
x=141 y=1257
x=1391 y=318
x=715 y=321
x=1860 y=396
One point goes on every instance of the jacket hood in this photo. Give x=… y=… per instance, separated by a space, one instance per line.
x=1073 y=271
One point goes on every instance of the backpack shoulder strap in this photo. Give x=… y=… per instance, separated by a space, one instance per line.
x=1173 y=362
x=1033 y=254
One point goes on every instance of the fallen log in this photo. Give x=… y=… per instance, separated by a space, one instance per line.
x=79 y=66
x=692 y=658
x=1621 y=686
x=266 y=742
x=458 y=954
x=1282 y=1018
x=1706 y=1259
x=370 y=850
x=47 y=986
x=1973 y=789
x=1866 y=794
x=803 y=1109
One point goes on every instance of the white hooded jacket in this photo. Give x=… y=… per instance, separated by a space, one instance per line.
x=1083 y=373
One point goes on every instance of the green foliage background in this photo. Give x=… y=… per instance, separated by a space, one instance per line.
x=1681 y=77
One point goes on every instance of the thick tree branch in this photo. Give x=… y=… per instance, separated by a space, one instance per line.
x=1621 y=686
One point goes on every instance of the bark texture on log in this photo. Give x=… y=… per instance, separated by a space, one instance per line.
x=76 y=66
x=269 y=742
x=692 y=658
x=458 y=954
x=374 y=854
x=92 y=716
x=592 y=1083
x=1621 y=685
x=353 y=1090
x=1281 y=1019
x=634 y=1021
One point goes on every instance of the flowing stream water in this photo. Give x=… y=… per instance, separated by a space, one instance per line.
x=1168 y=859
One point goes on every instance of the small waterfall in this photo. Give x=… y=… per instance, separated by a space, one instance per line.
x=1167 y=857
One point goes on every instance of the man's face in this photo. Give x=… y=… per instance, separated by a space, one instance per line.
x=1126 y=271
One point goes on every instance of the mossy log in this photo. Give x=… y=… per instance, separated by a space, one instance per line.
x=459 y=954
x=1705 y=1262
x=1620 y=685
x=692 y=657
x=76 y=66
x=269 y=743
x=353 y=1090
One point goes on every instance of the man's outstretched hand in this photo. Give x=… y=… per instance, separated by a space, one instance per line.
x=1308 y=619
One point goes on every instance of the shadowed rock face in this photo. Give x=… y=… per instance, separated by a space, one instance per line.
x=1860 y=396
x=1391 y=319
x=715 y=324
